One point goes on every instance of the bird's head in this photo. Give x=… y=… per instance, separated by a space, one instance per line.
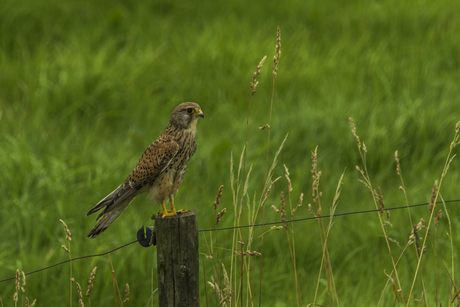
x=186 y=115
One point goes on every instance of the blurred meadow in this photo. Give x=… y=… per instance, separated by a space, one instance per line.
x=86 y=86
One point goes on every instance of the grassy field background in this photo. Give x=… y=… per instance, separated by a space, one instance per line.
x=86 y=86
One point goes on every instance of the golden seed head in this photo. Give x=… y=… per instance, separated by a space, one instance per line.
x=17 y=280
x=66 y=230
x=80 y=296
x=254 y=82
x=286 y=170
x=353 y=130
x=422 y=223
x=93 y=274
x=79 y=289
x=277 y=51
x=90 y=282
x=398 y=166
x=228 y=288
x=66 y=249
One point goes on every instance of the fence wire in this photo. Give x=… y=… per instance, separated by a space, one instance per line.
x=237 y=227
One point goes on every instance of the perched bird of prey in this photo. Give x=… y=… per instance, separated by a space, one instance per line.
x=160 y=170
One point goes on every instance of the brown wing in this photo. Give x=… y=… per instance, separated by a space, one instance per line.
x=154 y=160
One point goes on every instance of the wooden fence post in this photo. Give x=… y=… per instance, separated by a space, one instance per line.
x=177 y=260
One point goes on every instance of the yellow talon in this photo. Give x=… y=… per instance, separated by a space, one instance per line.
x=172 y=212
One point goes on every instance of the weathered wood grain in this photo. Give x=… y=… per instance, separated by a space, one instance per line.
x=177 y=260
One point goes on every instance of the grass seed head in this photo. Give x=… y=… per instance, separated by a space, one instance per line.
x=416 y=239
x=80 y=296
x=398 y=166
x=90 y=282
x=298 y=205
x=228 y=292
x=316 y=175
x=319 y=212
x=66 y=249
x=220 y=215
x=68 y=234
x=421 y=224
x=254 y=82
x=382 y=205
x=283 y=209
x=17 y=280
x=218 y=196
x=434 y=194
x=33 y=303
x=218 y=291
x=438 y=218
x=286 y=171
x=126 y=294
x=353 y=130
x=277 y=56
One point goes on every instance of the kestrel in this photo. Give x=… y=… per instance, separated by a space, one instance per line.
x=160 y=170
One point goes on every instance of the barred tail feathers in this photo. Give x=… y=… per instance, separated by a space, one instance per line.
x=114 y=204
x=107 y=218
x=106 y=201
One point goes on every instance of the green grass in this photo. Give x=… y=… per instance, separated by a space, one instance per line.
x=86 y=86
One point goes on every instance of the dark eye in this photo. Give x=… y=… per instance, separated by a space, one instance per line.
x=190 y=111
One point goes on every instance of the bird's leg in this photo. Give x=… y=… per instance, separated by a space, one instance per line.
x=174 y=209
x=167 y=212
x=171 y=212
